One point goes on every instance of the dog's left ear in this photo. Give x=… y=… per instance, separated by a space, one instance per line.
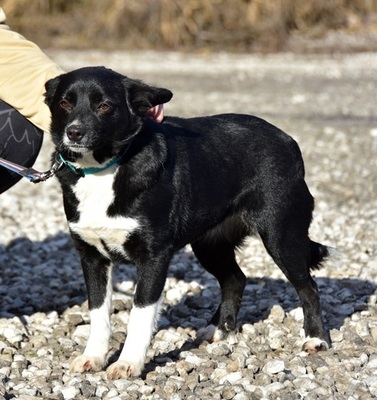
x=51 y=86
x=142 y=97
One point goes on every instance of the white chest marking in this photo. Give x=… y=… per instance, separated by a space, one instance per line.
x=95 y=194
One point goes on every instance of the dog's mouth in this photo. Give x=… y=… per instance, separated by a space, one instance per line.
x=77 y=148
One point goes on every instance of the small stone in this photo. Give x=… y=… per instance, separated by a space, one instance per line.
x=232 y=378
x=218 y=349
x=242 y=396
x=5 y=371
x=249 y=330
x=75 y=319
x=119 y=305
x=238 y=361
x=81 y=334
x=228 y=393
x=112 y=393
x=55 y=396
x=336 y=335
x=37 y=341
x=169 y=335
x=306 y=384
x=175 y=397
x=297 y=366
x=101 y=391
x=192 y=381
x=274 y=367
x=24 y=389
x=184 y=368
x=371 y=382
x=218 y=374
x=275 y=343
x=362 y=328
x=66 y=342
x=13 y=335
x=233 y=366
x=254 y=364
x=87 y=389
x=276 y=333
x=133 y=387
x=297 y=314
x=173 y=295
x=204 y=375
x=170 y=388
x=273 y=388
x=192 y=358
x=146 y=390
x=277 y=314
x=262 y=379
x=372 y=363
x=70 y=392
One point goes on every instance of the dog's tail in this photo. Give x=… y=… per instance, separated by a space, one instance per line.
x=320 y=253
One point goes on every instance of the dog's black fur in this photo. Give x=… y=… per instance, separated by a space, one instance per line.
x=208 y=181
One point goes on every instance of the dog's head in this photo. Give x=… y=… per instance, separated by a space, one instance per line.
x=96 y=110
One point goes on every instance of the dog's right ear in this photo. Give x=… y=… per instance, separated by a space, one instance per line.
x=51 y=86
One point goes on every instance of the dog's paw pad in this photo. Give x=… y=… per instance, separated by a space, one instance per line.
x=85 y=363
x=314 y=345
x=210 y=333
x=122 y=370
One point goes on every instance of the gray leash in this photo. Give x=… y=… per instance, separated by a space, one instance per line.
x=31 y=174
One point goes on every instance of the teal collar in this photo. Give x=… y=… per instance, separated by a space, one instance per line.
x=82 y=172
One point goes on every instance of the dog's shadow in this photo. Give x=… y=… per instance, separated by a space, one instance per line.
x=46 y=276
x=340 y=299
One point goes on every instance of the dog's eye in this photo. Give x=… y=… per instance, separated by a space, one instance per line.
x=103 y=107
x=65 y=105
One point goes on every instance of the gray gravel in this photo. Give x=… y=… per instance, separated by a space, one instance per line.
x=328 y=103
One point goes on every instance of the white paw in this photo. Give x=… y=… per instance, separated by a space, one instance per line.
x=122 y=370
x=85 y=363
x=314 y=345
x=210 y=333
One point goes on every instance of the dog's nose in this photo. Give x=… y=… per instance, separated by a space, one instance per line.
x=75 y=133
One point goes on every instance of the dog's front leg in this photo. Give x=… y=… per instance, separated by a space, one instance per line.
x=98 y=278
x=141 y=325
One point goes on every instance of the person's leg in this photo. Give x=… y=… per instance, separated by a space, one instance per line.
x=20 y=142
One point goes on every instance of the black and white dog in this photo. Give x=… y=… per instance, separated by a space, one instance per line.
x=137 y=191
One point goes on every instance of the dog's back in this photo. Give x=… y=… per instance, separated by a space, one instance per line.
x=207 y=169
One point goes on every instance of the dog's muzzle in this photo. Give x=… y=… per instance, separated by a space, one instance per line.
x=76 y=138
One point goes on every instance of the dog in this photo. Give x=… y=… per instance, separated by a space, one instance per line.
x=137 y=191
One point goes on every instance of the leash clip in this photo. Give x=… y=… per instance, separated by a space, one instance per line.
x=31 y=174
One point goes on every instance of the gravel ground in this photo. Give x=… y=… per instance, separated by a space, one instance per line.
x=328 y=104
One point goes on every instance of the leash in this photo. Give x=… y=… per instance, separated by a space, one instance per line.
x=31 y=174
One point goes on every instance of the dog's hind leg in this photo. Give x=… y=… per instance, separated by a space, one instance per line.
x=218 y=257
x=97 y=271
x=286 y=240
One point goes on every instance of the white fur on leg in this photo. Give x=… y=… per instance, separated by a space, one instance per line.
x=94 y=357
x=313 y=345
x=141 y=326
